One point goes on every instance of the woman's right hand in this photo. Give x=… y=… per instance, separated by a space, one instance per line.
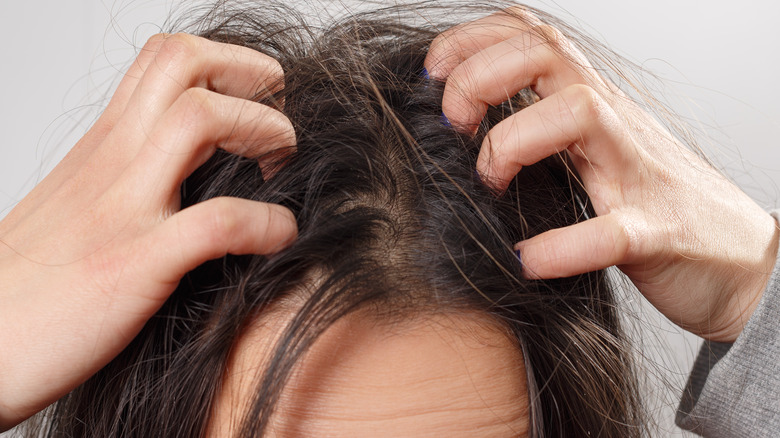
x=695 y=245
x=97 y=247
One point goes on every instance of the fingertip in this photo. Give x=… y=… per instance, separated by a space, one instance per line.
x=271 y=163
x=519 y=256
x=464 y=110
x=487 y=174
x=446 y=52
x=279 y=232
x=288 y=217
x=497 y=187
x=482 y=169
x=528 y=272
x=433 y=62
x=445 y=121
x=287 y=137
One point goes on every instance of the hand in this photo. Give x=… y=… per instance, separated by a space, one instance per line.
x=95 y=249
x=696 y=246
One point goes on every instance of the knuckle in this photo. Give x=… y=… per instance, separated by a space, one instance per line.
x=150 y=49
x=196 y=104
x=522 y=14
x=445 y=46
x=271 y=74
x=549 y=34
x=462 y=81
x=517 y=10
x=177 y=49
x=441 y=40
x=584 y=103
x=154 y=43
x=626 y=237
x=621 y=238
x=156 y=39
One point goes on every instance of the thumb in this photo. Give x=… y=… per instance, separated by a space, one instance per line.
x=587 y=246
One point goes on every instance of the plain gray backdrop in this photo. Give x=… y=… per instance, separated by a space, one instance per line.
x=59 y=58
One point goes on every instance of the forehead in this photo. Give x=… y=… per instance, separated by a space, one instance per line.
x=442 y=375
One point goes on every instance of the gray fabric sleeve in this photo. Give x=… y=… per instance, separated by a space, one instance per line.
x=734 y=389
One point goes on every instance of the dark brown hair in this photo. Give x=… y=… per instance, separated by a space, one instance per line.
x=392 y=219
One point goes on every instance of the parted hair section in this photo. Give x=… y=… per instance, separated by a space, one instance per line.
x=393 y=221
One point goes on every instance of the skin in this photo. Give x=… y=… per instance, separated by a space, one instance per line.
x=93 y=251
x=441 y=375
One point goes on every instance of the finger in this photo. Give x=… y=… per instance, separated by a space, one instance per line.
x=457 y=44
x=189 y=132
x=129 y=82
x=536 y=59
x=588 y=246
x=213 y=229
x=184 y=62
x=577 y=119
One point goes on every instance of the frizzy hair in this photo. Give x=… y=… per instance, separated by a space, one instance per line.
x=392 y=219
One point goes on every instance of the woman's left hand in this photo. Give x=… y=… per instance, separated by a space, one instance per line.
x=694 y=244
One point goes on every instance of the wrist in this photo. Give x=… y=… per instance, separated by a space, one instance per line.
x=748 y=290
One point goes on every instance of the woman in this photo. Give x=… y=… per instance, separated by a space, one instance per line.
x=375 y=154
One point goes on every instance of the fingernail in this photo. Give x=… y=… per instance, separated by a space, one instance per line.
x=424 y=73
x=445 y=121
x=519 y=256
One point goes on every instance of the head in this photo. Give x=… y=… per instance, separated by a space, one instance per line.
x=401 y=308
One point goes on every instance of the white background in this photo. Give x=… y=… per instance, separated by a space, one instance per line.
x=59 y=57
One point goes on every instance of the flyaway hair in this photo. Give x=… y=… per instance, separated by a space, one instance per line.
x=393 y=222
